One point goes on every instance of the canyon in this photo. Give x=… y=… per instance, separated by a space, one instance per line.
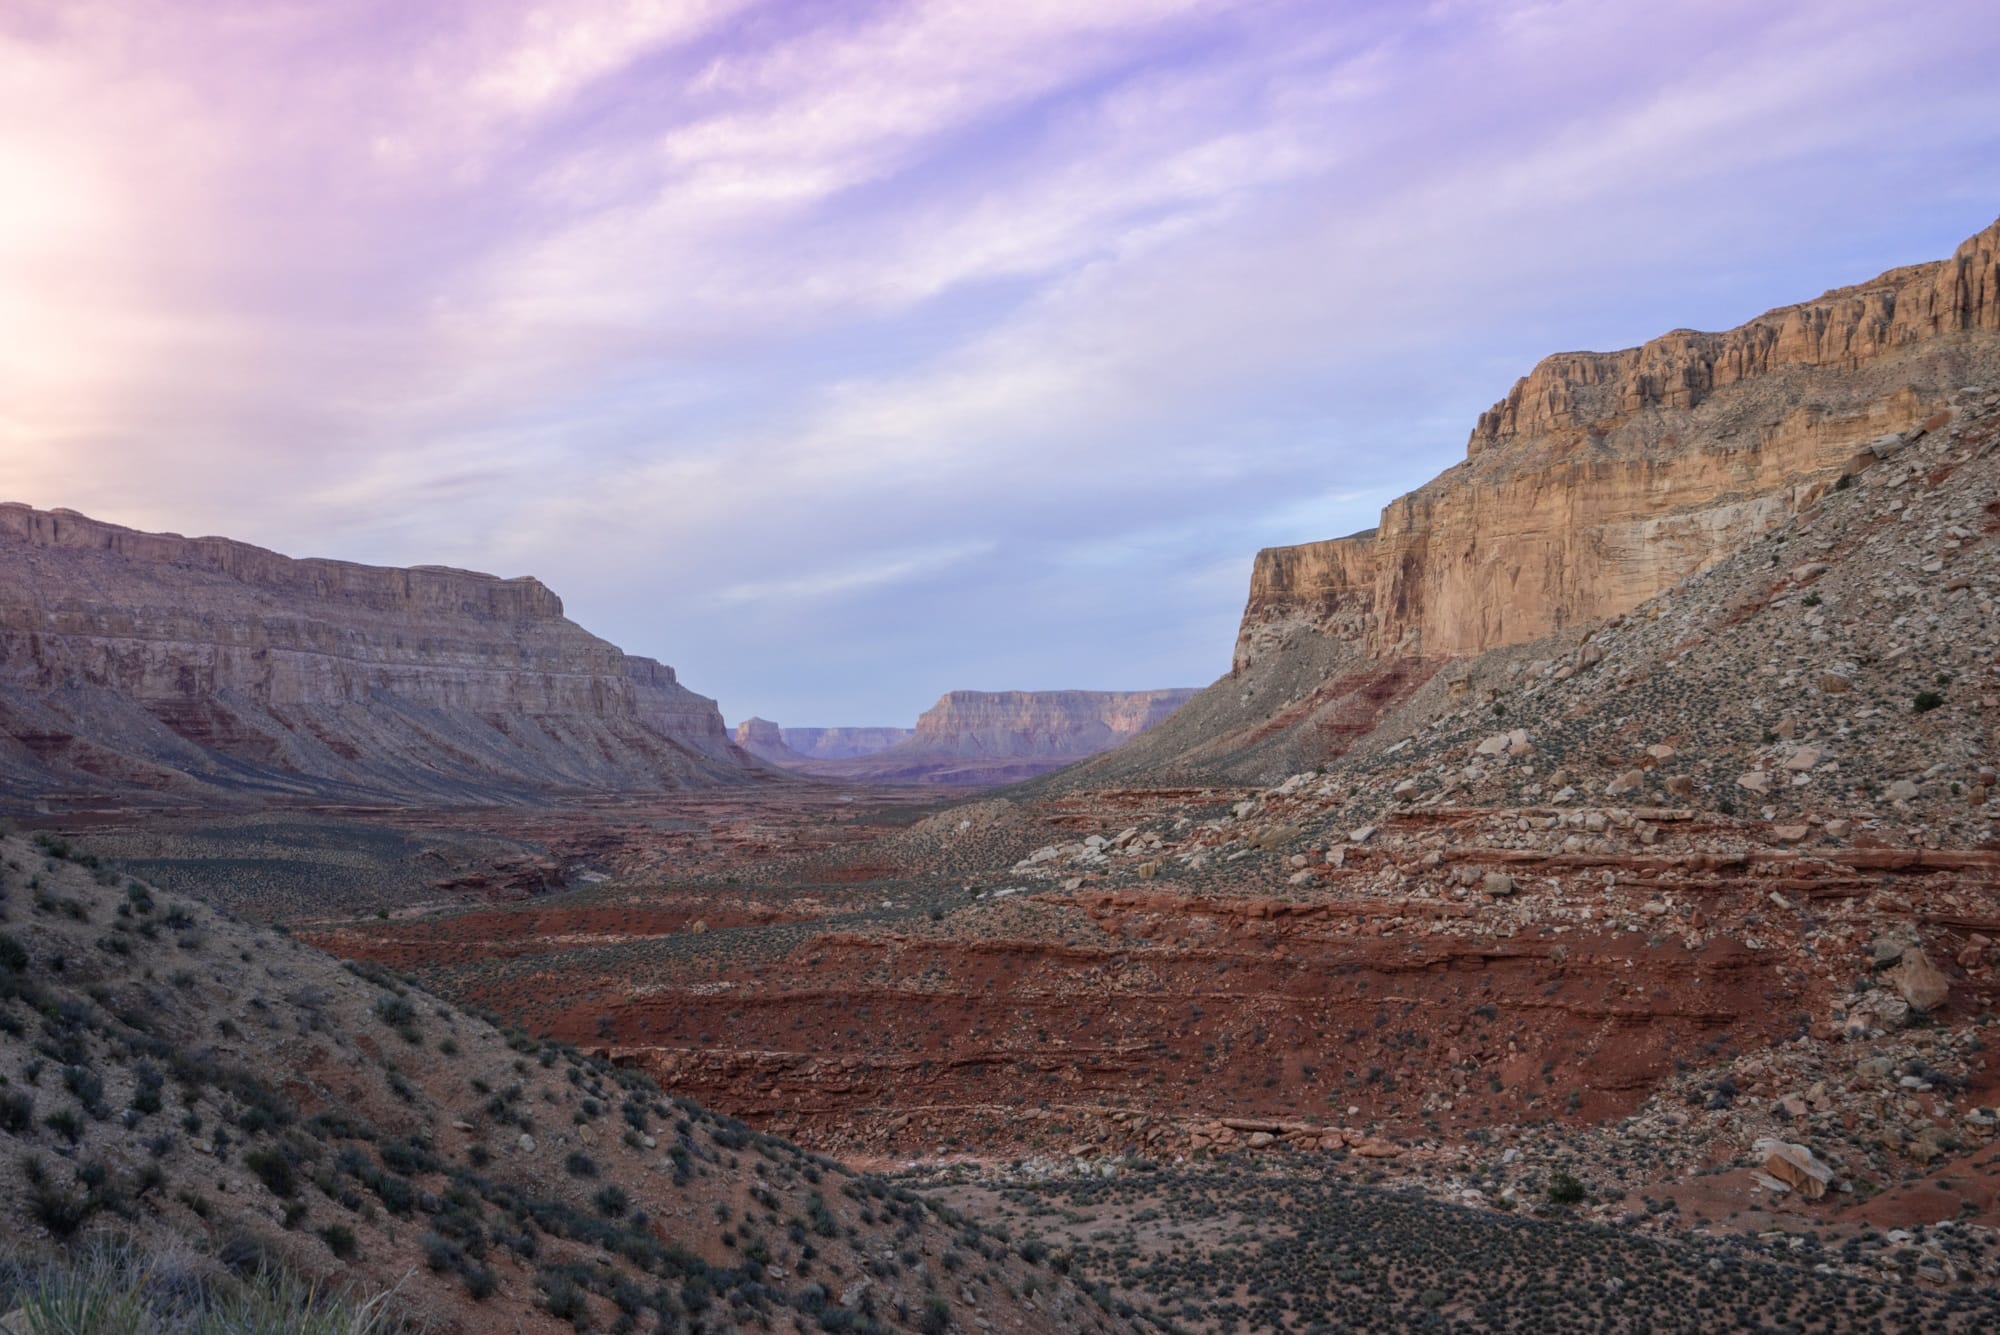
x=1598 y=858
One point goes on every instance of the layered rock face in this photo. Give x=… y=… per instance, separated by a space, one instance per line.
x=1603 y=478
x=203 y=667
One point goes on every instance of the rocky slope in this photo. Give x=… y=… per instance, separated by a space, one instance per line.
x=1600 y=480
x=152 y=665
x=220 y=1096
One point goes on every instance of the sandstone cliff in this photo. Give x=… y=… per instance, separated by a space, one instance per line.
x=1599 y=481
x=1602 y=478
x=146 y=662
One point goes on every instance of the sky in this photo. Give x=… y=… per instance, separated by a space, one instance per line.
x=844 y=353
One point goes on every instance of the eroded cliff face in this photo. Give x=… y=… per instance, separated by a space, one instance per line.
x=147 y=661
x=1603 y=478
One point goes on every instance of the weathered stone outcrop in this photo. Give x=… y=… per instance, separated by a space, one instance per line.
x=204 y=667
x=1603 y=478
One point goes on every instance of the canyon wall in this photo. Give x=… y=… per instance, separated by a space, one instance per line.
x=202 y=667
x=1603 y=478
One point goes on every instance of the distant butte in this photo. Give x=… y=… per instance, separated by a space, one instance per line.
x=969 y=738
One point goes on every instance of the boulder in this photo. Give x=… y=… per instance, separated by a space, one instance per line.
x=1795 y=1166
x=1631 y=781
x=1920 y=982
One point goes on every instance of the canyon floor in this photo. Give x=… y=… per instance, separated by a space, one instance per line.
x=1240 y=1099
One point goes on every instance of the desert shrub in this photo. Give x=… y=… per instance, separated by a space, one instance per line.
x=59 y=1210
x=17 y=1111
x=273 y=1168
x=1565 y=1189
x=146 y=1090
x=65 y=1123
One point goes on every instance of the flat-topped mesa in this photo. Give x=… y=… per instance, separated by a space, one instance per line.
x=1039 y=724
x=764 y=740
x=975 y=738
x=202 y=667
x=846 y=743
x=799 y=747
x=1604 y=478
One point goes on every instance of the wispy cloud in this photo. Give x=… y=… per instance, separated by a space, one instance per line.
x=869 y=575
x=842 y=354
